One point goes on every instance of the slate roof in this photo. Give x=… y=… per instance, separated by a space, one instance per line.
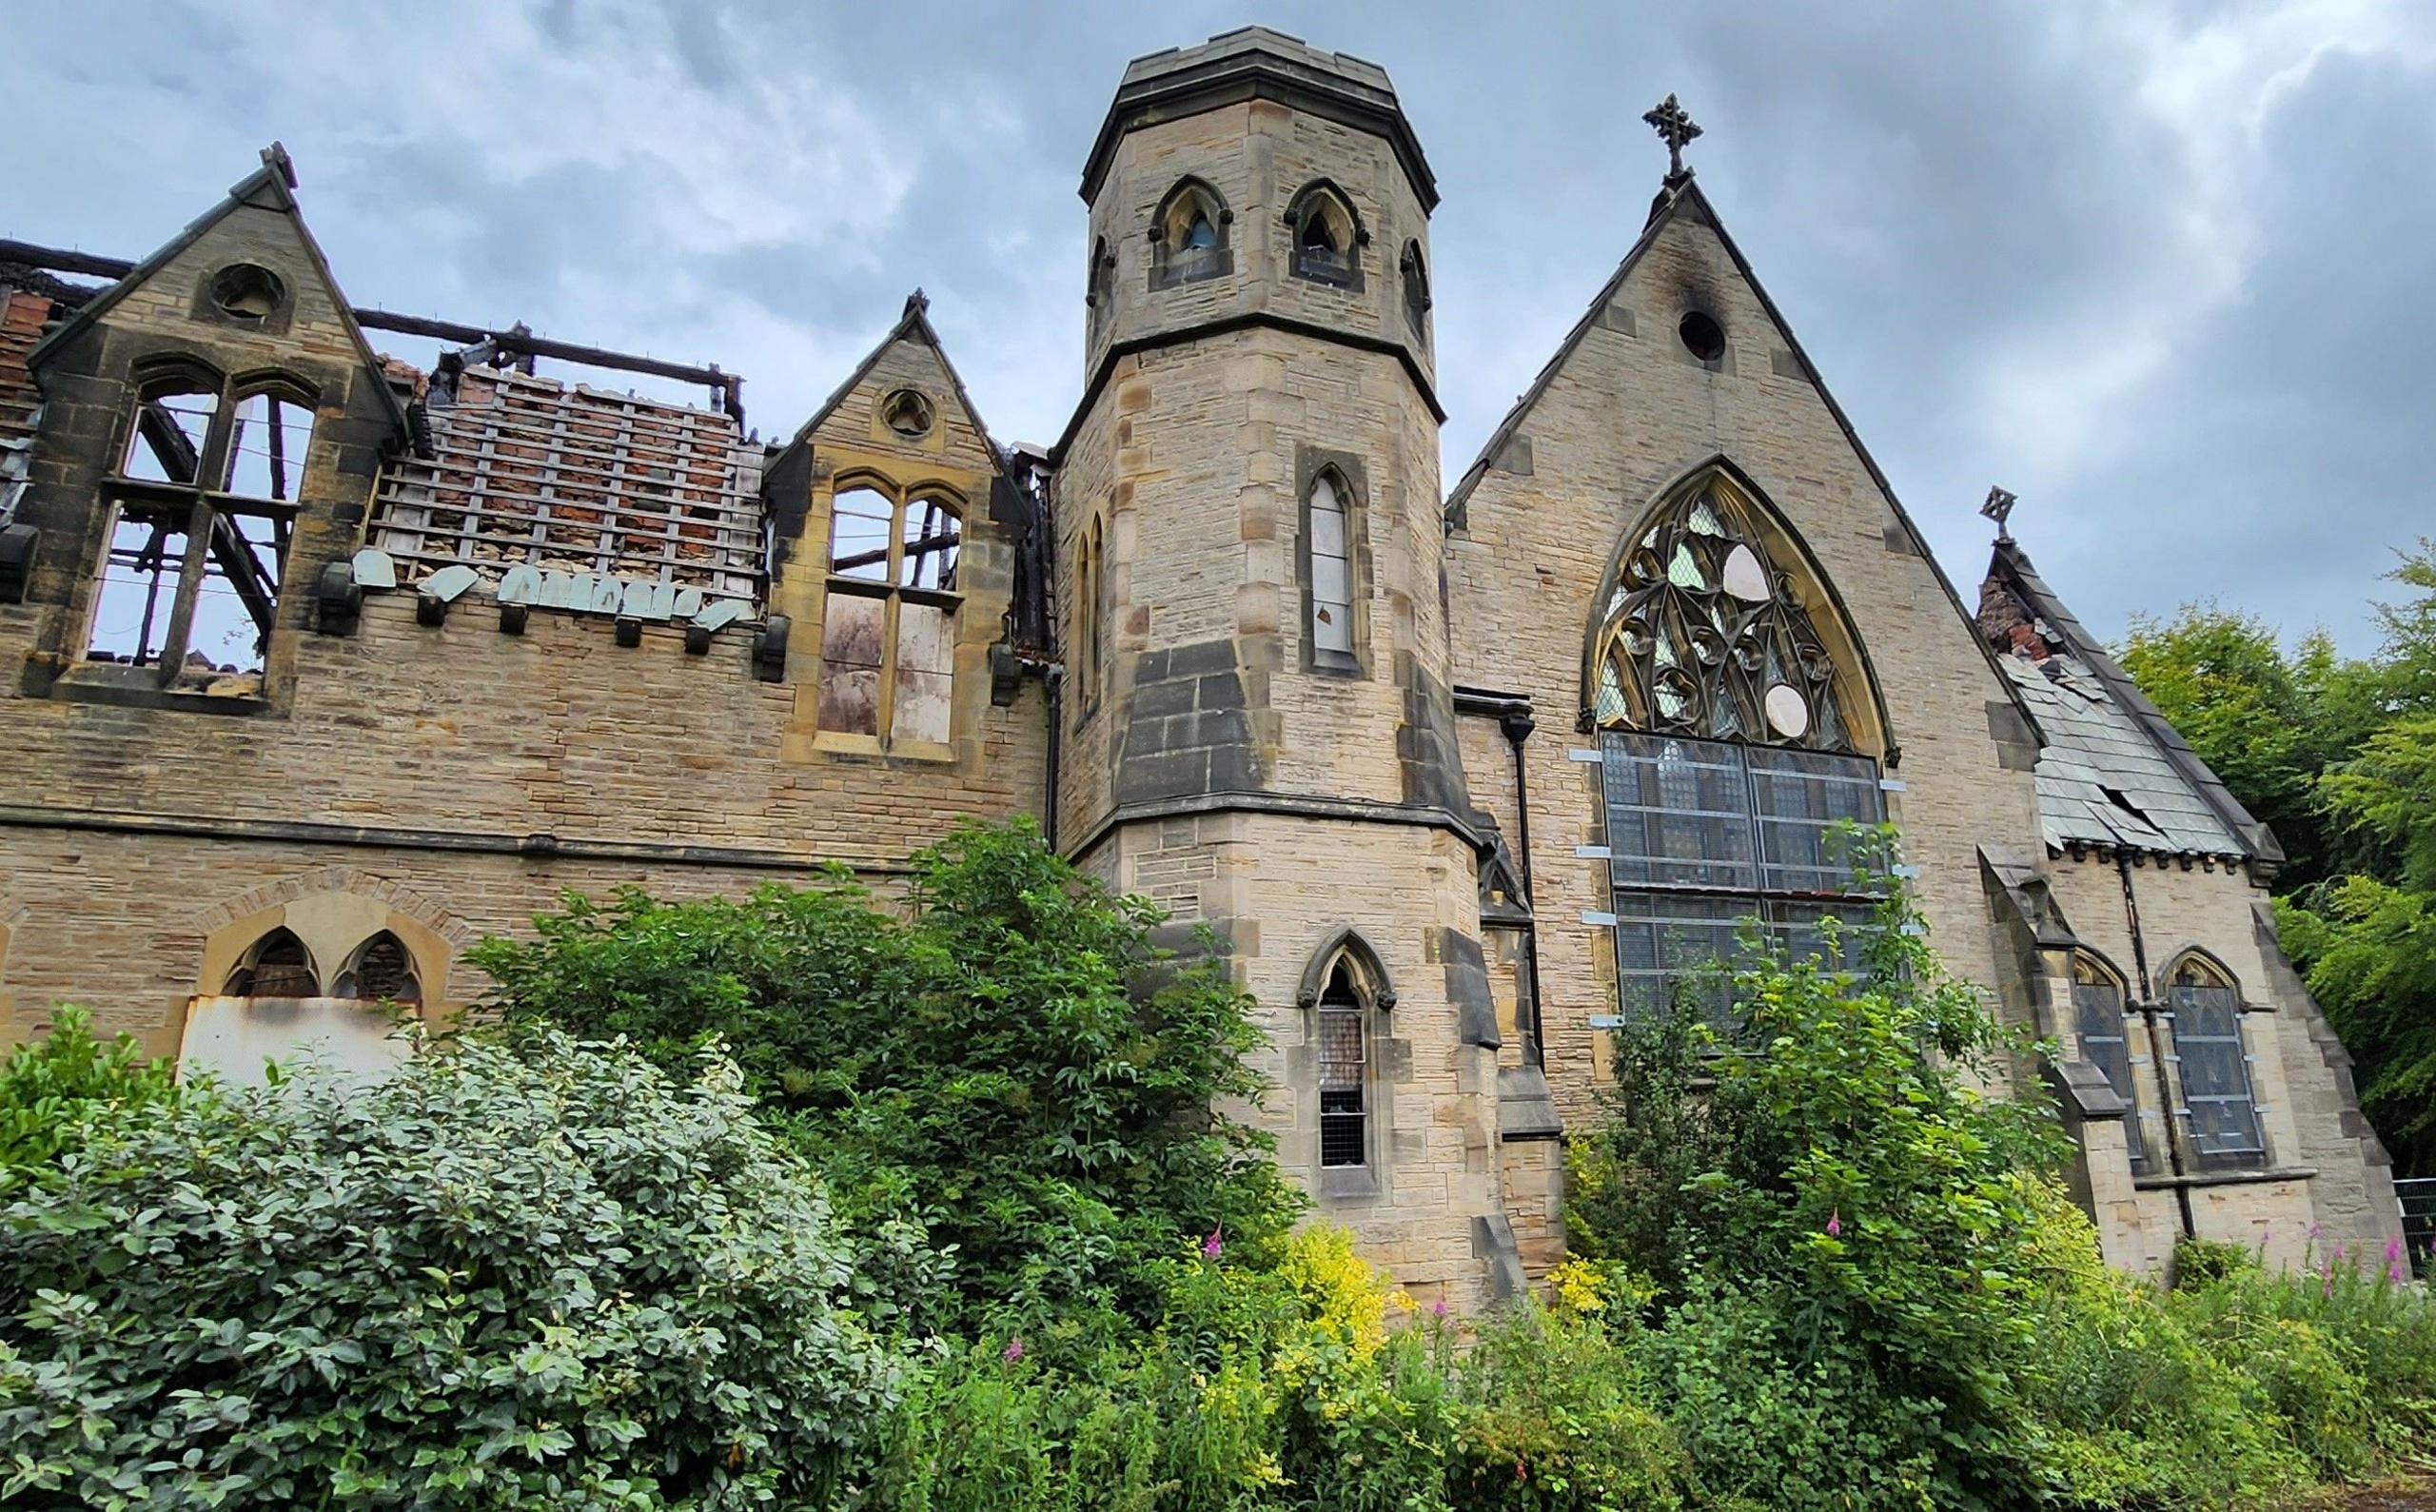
x=2112 y=770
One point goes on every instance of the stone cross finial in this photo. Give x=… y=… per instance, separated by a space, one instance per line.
x=1676 y=128
x=1999 y=507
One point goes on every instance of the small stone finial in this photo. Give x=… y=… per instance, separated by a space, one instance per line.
x=916 y=303
x=1676 y=128
x=1999 y=507
x=275 y=156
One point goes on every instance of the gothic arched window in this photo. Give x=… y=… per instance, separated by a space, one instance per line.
x=1729 y=758
x=1328 y=237
x=2220 y=1109
x=1188 y=236
x=1343 y=986
x=1415 y=274
x=1706 y=636
x=2098 y=1010
x=275 y=966
x=380 y=971
x=1098 y=283
x=1328 y=544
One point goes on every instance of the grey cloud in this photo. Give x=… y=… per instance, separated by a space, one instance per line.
x=1974 y=217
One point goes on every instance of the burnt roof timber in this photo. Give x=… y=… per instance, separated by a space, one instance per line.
x=64 y=260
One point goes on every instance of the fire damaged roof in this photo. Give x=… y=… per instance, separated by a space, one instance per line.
x=2113 y=771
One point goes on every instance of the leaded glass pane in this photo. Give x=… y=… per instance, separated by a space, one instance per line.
x=1665 y=939
x=2216 y=1076
x=2098 y=1011
x=1679 y=813
x=1799 y=797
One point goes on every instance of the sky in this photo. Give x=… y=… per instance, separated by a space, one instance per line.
x=2166 y=270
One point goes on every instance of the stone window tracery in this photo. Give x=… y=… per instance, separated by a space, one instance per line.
x=380 y=970
x=275 y=966
x=1704 y=635
x=888 y=629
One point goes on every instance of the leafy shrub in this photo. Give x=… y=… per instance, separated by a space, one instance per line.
x=545 y=1273
x=2205 y=1262
x=1558 y=1418
x=53 y=1089
x=994 y=1064
x=1852 y=1227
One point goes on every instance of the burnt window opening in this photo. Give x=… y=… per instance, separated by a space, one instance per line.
x=888 y=629
x=908 y=413
x=382 y=970
x=244 y=291
x=1701 y=335
x=202 y=511
x=1330 y=565
x=1190 y=238
x=1327 y=237
x=1415 y=274
x=1343 y=1029
x=2219 y=1114
x=275 y=966
x=2099 y=1009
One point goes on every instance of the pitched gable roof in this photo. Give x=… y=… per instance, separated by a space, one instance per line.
x=1683 y=199
x=269 y=188
x=915 y=324
x=2115 y=771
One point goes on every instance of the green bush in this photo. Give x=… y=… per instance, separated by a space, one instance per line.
x=2205 y=1262
x=51 y=1090
x=999 y=1064
x=510 y=1276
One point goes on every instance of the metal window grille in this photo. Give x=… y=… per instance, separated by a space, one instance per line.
x=1344 y=1079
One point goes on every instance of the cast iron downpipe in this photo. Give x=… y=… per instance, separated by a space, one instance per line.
x=2156 y=1057
x=1517 y=724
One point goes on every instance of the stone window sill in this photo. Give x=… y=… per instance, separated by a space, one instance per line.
x=114 y=686
x=2224 y=1178
x=1347 y=1181
x=929 y=753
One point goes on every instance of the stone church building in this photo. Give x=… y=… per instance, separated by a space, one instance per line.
x=316 y=667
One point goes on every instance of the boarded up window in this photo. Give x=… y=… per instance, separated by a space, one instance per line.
x=851 y=635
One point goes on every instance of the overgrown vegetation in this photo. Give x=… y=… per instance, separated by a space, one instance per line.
x=2339 y=757
x=923 y=1209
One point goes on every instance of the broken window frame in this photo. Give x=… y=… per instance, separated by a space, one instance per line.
x=894 y=592
x=204 y=506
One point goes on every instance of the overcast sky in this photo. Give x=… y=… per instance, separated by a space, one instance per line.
x=2164 y=270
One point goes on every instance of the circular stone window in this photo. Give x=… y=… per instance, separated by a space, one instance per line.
x=1702 y=337
x=907 y=413
x=246 y=292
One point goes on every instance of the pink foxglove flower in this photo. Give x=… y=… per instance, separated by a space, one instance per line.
x=1836 y=1224
x=1214 y=1245
x=1439 y=1307
x=1015 y=1349
x=2394 y=1271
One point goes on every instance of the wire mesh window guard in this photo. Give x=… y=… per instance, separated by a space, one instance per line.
x=1705 y=835
x=2098 y=1011
x=2222 y=1114
x=1344 y=1031
x=528 y=470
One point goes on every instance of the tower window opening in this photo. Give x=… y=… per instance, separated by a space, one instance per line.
x=1331 y=572
x=1188 y=236
x=1327 y=237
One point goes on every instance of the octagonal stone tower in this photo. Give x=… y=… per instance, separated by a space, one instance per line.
x=1259 y=722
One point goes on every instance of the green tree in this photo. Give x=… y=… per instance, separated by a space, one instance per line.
x=1004 y=1060
x=510 y=1276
